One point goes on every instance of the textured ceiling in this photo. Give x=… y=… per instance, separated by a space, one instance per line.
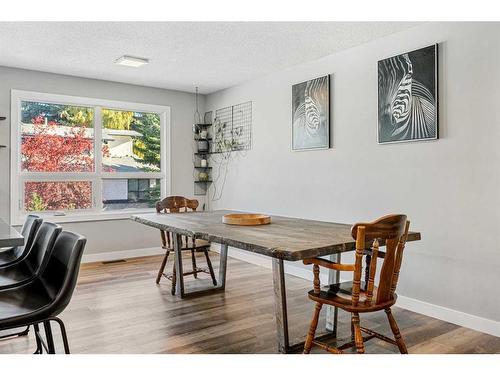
x=212 y=55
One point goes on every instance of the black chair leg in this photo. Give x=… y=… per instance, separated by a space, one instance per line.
x=39 y=347
x=49 y=337
x=22 y=333
x=63 y=334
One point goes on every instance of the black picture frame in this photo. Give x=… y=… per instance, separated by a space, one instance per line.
x=408 y=97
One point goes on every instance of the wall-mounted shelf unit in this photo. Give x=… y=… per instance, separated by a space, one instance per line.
x=201 y=186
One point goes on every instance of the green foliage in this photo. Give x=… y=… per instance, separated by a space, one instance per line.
x=154 y=195
x=36 y=203
x=59 y=113
x=148 y=147
x=77 y=116
x=121 y=120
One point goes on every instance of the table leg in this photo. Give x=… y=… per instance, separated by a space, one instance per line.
x=179 y=287
x=281 y=312
x=332 y=313
x=280 y=304
x=222 y=267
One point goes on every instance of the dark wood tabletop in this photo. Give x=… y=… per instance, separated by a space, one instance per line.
x=285 y=238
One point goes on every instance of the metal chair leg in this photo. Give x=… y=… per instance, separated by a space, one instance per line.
x=49 y=337
x=16 y=334
x=39 y=347
x=162 y=267
x=63 y=334
x=210 y=268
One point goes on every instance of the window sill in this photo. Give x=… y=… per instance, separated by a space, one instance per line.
x=84 y=217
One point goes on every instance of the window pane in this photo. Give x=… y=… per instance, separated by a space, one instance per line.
x=143 y=185
x=133 y=184
x=130 y=141
x=117 y=195
x=56 y=137
x=57 y=195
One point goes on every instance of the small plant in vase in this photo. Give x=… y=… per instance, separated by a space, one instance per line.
x=203 y=176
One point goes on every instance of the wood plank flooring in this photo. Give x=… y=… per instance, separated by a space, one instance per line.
x=118 y=308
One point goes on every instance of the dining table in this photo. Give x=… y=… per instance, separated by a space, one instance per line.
x=285 y=239
x=9 y=237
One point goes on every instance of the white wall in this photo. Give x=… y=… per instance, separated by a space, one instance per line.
x=116 y=235
x=449 y=188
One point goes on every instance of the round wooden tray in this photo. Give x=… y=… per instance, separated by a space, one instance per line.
x=246 y=219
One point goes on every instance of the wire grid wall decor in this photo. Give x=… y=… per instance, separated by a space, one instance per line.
x=233 y=128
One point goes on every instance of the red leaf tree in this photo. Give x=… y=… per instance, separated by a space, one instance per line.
x=54 y=148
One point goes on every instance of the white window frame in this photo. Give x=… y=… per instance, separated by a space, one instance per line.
x=17 y=212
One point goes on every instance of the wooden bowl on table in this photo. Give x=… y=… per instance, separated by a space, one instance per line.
x=246 y=219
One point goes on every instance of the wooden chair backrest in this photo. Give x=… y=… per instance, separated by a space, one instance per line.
x=391 y=230
x=175 y=204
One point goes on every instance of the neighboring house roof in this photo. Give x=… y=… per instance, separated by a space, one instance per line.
x=63 y=131
x=131 y=133
x=127 y=164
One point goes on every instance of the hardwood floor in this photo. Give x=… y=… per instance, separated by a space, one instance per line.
x=117 y=308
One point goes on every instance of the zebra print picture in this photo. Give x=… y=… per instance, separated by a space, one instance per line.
x=311 y=115
x=407 y=97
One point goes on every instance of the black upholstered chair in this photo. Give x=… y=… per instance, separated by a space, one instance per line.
x=41 y=300
x=28 y=268
x=15 y=254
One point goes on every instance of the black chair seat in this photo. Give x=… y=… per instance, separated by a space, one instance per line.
x=19 y=274
x=8 y=255
x=21 y=305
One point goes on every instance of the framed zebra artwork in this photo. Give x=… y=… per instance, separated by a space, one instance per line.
x=311 y=114
x=408 y=96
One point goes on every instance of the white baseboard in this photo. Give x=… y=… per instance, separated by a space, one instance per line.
x=474 y=322
x=460 y=318
x=121 y=254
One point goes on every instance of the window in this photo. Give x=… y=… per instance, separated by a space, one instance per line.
x=130 y=193
x=80 y=157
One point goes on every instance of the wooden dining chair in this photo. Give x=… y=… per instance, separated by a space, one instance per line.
x=359 y=296
x=178 y=204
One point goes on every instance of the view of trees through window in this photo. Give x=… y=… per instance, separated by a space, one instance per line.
x=57 y=195
x=131 y=141
x=60 y=138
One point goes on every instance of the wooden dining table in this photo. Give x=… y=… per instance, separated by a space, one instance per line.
x=284 y=239
x=9 y=237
